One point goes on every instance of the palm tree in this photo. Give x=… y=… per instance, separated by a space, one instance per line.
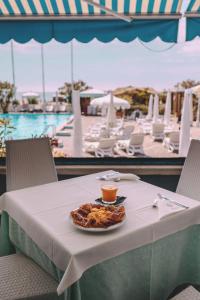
x=66 y=90
x=186 y=84
x=6 y=94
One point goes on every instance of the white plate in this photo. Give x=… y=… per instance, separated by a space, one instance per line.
x=112 y=227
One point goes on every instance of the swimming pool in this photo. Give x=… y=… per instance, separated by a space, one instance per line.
x=29 y=125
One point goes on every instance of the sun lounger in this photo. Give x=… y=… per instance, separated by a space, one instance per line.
x=61 y=108
x=105 y=147
x=37 y=108
x=157 y=131
x=49 y=108
x=125 y=132
x=63 y=133
x=96 y=133
x=133 y=145
x=172 y=141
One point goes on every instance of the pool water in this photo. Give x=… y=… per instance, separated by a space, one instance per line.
x=34 y=125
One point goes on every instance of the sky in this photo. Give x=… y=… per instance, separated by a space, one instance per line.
x=103 y=66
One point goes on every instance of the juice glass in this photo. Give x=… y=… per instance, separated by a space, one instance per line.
x=109 y=193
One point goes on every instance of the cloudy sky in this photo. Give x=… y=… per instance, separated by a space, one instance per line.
x=104 y=66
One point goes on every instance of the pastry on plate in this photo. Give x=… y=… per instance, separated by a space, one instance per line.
x=98 y=216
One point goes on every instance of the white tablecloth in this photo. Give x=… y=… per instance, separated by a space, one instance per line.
x=43 y=213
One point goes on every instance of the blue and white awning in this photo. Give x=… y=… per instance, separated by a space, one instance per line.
x=84 y=20
x=193 y=20
x=14 y=8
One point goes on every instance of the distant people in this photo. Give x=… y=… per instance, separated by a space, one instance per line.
x=179 y=117
x=137 y=114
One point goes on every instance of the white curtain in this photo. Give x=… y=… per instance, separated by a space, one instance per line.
x=167 y=114
x=156 y=109
x=150 y=108
x=185 y=124
x=77 y=132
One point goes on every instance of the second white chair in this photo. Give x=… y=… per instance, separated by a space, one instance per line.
x=189 y=182
x=28 y=163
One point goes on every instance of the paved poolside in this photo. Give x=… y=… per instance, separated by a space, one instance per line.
x=151 y=148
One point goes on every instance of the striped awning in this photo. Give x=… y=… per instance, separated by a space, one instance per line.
x=84 y=20
x=193 y=20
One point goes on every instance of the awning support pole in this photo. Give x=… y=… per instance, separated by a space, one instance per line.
x=13 y=68
x=111 y=12
x=43 y=77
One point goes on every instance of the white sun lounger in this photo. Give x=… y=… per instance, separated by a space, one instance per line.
x=157 y=131
x=172 y=141
x=49 y=108
x=105 y=147
x=133 y=145
x=125 y=132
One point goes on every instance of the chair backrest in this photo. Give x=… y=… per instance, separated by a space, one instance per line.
x=158 y=128
x=49 y=108
x=189 y=182
x=107 y=143
x=127 y=130
x=174 y=137
x=136 y=139
x=29 y=163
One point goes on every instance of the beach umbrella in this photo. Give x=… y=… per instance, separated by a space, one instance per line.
x=185 y=124
x=156 y=109
x=77 y=132
x=150 y=108
x=167 y=113
x=30 y=94
x=105 y=101
x=191 y=112
x=196 y=92
x=111 y=115
x=198 y=114
x=92 y=93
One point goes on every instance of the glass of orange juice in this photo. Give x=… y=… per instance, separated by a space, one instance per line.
x=109 y=193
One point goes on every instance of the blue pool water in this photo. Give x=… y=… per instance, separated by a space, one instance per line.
x=29 y=125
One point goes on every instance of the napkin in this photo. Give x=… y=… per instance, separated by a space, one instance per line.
x=167 y=208
x=117 y=176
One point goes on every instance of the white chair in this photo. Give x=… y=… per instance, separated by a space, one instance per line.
x=29 y=163
x=21 y=278
x=133 y=145
x=172 y=141
x=146 y=127
x=37 y=107
x=49 y=108
x=157 y=131
x=97 y=133
x=189 y=293
x=125 y=132
x=189 y=182
x=105 y=147
x=61 y=107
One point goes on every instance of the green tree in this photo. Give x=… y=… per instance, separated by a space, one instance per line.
x=137 y=97
x=32 y=100
x=66 y=89
x=6 y=94
x=186 y=84
x=6 y=130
